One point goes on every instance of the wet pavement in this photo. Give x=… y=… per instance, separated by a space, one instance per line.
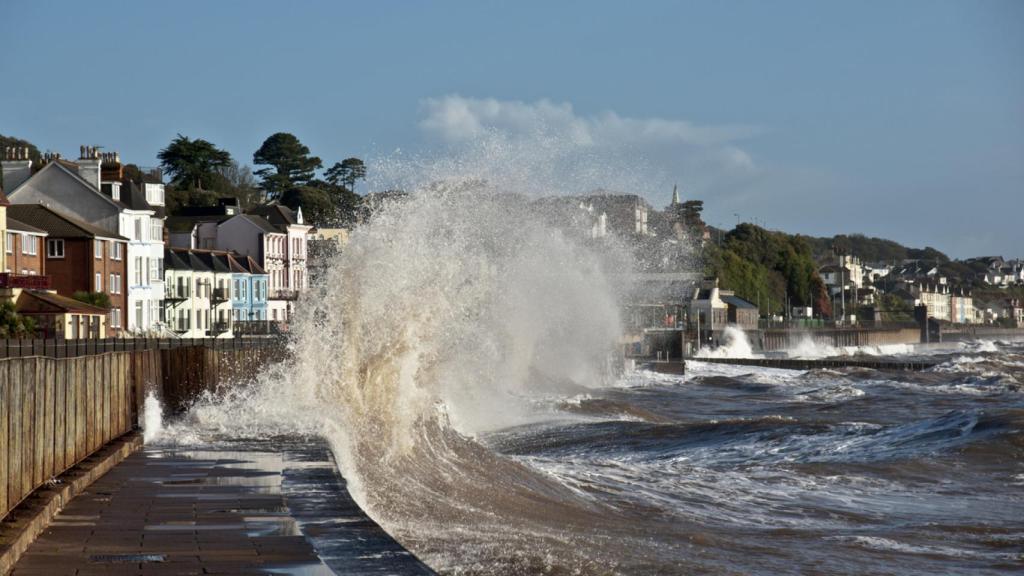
x=260 y=508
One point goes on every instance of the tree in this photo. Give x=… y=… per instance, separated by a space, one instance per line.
x=316 y=204
x=241 y=183
x=690 y=213
x=288 y=164
x=14 y=325
x=190 y=163
x=98 y=299
x=346 y=173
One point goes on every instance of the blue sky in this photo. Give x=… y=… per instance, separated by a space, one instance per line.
x=898 y=119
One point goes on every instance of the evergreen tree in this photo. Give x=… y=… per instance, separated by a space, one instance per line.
x=346 y=173
x=191 y=163
x=288 y=164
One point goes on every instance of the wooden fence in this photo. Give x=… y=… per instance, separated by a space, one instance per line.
x=62 y=348
x=57 y=411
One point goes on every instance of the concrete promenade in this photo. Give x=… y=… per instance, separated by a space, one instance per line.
x=255 y=508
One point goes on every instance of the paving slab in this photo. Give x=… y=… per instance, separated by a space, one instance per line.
x=235 y=508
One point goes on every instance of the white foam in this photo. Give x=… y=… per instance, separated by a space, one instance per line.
x=152 y=418
x=735 y=345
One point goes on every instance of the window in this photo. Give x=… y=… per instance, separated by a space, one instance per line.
x=99 y=249
x=156 y=230
x=99 y=282
x=116 y=249
x=29 y=244
x=55 y=248
x=138 y=229
x=115 y=317
x=10 y=242
x=115 y=284
x=138 y=271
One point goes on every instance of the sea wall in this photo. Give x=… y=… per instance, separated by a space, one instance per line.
x=57 y=411
x=960 y=333
x=782 y=339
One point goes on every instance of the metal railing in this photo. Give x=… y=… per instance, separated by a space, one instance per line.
x=28 y=281
x=220 y=295
x=218 y=327
x=284 y=294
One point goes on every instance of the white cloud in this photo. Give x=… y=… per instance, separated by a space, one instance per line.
x=456 y=118
x=548 y=147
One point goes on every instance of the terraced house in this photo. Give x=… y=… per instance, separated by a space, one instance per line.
x=249 y=297
x=95 y=190
x=198 y=288
x=79 y=257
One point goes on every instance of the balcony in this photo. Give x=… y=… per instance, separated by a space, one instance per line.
x=219 y=295
x=26 y=281
x=284 y=295
x=175 y=294
x=218 y=328
x=253 y=327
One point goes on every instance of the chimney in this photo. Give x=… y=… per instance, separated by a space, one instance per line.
x=111 y=168
x=16 y=166
x=89 y=165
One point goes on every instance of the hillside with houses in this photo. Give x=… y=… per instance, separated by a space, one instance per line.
x=201 y=248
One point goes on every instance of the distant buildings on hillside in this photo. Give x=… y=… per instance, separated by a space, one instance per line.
x=90 y=252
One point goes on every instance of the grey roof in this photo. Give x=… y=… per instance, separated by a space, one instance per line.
x=184 y=259
x=278 y=215
x=57 y=224
x=249 y=264
x=214 y=261
x=173 y=261
x=134 y=197
x=261 y=223
x=14 y=224
x=738 y=302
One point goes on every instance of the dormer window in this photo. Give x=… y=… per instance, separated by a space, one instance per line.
x=114 y=189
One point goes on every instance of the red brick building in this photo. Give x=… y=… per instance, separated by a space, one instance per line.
x=80 y=257
x=25 y=247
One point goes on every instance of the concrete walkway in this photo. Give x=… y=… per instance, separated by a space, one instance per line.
x=236 y=509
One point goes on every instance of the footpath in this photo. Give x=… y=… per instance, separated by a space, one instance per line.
x=233 y=509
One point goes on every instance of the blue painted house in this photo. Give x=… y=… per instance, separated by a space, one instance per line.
x=249 y=296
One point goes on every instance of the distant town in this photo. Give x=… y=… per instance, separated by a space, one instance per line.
x=201 y=247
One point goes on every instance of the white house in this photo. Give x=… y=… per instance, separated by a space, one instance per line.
x=198 y=293
x=95 y=190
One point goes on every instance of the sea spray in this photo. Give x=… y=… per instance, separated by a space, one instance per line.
x=735 y=344
x=451 y=310
x=152 y=418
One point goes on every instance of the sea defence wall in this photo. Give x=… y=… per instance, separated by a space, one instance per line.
x=60 y=407
x=960 y=333
x=781 y=339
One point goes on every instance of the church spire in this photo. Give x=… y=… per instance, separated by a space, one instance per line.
x=675 y=195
